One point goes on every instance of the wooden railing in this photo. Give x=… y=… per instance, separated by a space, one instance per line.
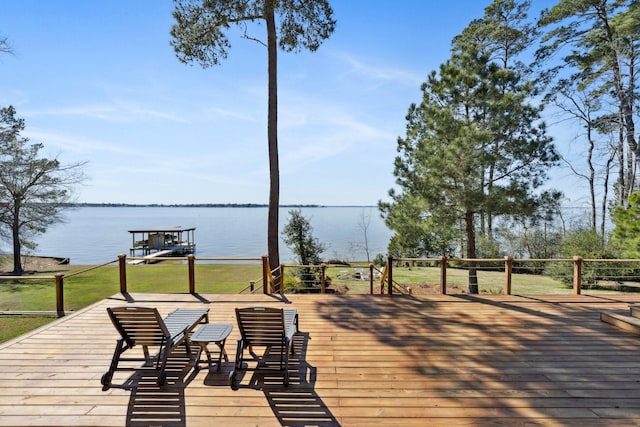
x=59 y=281
x=267 y=283
x=191 y=262
x=122 y=260
x=323 y=276
x=578 y=268
x=389 y=286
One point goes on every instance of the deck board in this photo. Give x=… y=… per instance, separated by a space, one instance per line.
x=360 y=360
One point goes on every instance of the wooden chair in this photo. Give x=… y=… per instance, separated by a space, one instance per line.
x=145 y=327
x=264 y=327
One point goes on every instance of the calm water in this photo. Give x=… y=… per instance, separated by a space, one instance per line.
x=93 y=235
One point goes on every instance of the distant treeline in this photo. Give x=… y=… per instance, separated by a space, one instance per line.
x=189 y=205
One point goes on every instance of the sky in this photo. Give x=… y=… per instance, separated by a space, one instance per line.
x=99 y=82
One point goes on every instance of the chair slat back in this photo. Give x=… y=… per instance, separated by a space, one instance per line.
x=261 y=326
x=139 y=325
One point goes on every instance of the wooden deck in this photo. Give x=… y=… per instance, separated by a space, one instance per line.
x=361 y=360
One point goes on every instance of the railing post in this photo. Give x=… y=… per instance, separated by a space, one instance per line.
x=60 y=294
x=266 y=274
x=252 y=285
x=370 y=279
x=508 y=271
x=443 y=275
x=122 y=266
x=577 y=274
x=192 y=273
x=323 y=268
x=281 y=279
x=390 y=275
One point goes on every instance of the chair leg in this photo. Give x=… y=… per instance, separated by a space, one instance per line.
x=108 y=376
x=233 y=376
x=239 y=350
x=187 y=346
x=295 y=322
x=163 y=359
x=147 y=357
x=161 y=365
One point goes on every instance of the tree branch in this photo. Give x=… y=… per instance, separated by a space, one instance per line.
x=246 y=36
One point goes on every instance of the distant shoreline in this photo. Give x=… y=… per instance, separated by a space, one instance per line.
x=203 y=205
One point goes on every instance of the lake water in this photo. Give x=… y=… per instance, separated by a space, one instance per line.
x=94 y=235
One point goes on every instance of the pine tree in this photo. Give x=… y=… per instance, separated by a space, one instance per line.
x=473 y=146
x=199 y=35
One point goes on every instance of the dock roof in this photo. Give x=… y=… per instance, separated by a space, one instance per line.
x=162 y=229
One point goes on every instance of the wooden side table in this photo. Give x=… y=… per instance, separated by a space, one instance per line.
x=216 y=333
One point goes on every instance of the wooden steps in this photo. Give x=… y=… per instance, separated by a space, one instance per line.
x=630 y=322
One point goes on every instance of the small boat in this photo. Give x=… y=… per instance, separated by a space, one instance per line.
x=163 y=241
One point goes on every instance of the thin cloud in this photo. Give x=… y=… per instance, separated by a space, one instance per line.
x=229 y=114
x=160 y=115
x=380 y=73
x=363 y=131
x=73 y=143
x=347 y=132
x=111 y=113
x=185 y=174
x=15 y=98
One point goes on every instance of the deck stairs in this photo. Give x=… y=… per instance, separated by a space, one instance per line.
x=629 y=322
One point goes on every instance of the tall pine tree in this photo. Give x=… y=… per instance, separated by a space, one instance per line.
x=474 y=148
x=199 y=35
x=598 y=42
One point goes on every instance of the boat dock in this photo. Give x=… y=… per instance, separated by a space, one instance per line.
x=162 y=241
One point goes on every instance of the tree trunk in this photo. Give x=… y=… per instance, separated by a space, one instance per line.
x=605 y=198
x=17 y=247
x=272 y=135
x=592 y=175
x=622 y=170
x=625 y=98
x=471 y=252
